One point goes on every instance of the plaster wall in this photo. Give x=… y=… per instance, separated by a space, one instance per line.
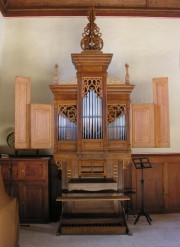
x=32 y=46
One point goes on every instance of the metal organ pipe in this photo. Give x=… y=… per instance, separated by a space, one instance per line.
x=92 y=116
x=117 y=129
x=67 y=129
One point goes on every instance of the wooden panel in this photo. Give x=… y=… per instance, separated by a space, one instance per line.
x=94 y=207
x=161 y=186
x=173 y=186
x=153 y=187
x=34 y=210
x=41 y=126
x=143 y=125
x=19 y=3
x=161 y=101
x=91 y=144
x=22 y=101
x=29 y=183
x=117 y=145
x=164 y=4
x=66 y=145
x=34 y=170
x=79 y=7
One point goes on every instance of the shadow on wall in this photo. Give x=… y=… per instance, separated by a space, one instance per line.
x=24 y=152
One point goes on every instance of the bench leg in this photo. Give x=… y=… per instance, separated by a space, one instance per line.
x=60 y=220
x=125 y=220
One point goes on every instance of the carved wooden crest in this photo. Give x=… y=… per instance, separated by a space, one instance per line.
x=91 y=37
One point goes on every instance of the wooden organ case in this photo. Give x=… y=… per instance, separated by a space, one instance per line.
x=92 y=137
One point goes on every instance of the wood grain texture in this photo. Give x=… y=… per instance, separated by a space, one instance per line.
x=167 y=8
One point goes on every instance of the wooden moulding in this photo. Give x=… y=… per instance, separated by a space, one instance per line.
x=92 y=186
x=102 y=7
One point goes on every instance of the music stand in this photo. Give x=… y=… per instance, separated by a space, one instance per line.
x=142 y=163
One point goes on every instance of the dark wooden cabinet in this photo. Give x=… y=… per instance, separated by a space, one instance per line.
x=28 y=180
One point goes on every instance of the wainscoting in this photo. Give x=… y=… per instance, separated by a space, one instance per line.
x=161 y=183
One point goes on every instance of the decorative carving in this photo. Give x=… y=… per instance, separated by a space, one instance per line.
x=91 y=37
x=110 y=80
x=115 y=171
x=115 y=111
x=126 y=163
x=69 y=173
x=56 y=74
x=127 y=81
x=90 y=83
x=59 y=164
x=113 y=80
x=69 y=111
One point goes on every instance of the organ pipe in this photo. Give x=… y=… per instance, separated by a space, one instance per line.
x=117 y=129
x=92 y=116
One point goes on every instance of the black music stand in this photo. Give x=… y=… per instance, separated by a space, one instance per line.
x=142 y=163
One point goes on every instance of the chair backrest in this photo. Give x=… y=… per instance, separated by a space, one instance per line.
x=1 y=182
x=9 y=218
x=4 y=197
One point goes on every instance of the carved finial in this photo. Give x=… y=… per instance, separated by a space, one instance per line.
x=127 y=81
x=91 y=37
x=56 y=74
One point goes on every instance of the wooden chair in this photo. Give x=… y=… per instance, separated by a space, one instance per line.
x=9 y=218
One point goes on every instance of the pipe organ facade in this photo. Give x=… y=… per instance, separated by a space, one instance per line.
x=92 y=130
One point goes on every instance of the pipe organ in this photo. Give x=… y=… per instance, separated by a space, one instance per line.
x=92 y=130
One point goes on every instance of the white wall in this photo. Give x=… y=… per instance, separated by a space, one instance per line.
x=151 y=47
